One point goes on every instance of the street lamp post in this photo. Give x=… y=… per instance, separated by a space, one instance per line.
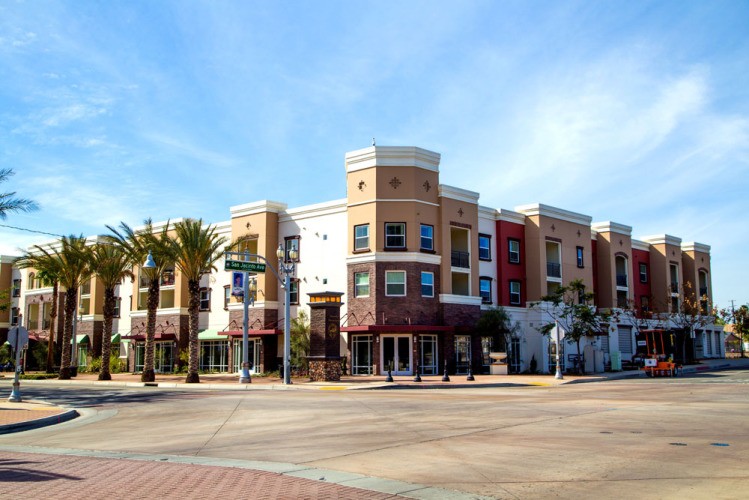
x=247 y=300
x=287 y=270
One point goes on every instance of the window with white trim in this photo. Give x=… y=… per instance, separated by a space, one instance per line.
x=485 y=290
x=515 y=293
x=395 y=283
x=427 y=284
x=513 y=247
x=361 y=237
x=485 y=252
x=205 y=299
x=395 y=235
x=361 y=284
x=427 y=237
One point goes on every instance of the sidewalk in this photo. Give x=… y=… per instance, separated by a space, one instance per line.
x=31 y=414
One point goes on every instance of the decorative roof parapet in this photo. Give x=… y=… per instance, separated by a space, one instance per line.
x=555 y=213
x=392 y=156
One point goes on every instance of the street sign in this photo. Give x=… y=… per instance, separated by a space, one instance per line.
x=18 y=337
x=237 y=265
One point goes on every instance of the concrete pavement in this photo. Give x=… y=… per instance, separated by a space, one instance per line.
x=648 y=438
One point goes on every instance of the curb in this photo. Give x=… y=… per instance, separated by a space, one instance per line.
x=38 y=422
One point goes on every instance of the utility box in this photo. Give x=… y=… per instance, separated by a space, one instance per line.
x=616 y=361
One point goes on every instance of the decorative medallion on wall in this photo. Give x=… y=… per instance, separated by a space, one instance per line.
x=578 y=233
x=247 y=225
x=395 y=182
x=553 y=228
x=427 y=186
x=362 y=185
x=460 y=212
x=621 y=243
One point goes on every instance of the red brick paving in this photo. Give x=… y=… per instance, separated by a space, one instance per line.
x=33 y=475
x=15 y=415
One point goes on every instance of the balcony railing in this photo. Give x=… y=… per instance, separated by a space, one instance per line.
x=553 y=270
x=460 y=259
x=703 y=291
x=621 y=280
x=674 y=287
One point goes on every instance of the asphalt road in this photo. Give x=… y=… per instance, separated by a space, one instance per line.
x=648 y=438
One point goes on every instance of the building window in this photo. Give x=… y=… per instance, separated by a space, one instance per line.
x=205 y=299
x=30 y=284
x=294 y=292
x=395 y=283
x=361 y=237
x=227 y=296
x=580 y=261
x=14 y=315
x=16 y=288
x=117 y=307
x=427 y=284
x=361 y=284
x=427 y=237
x=643 y=272
x=515 y=293
x=291 y=243
x=485 y=252
x=645 y=303
x=513 y=247
x=485 y=290
x=395 y=235
x=167 y=277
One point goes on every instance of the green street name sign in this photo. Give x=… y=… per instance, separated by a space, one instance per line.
x=236 y=265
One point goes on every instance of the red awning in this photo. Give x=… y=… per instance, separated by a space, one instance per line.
x=158 y=336
x=251 y=333
x=397 y=328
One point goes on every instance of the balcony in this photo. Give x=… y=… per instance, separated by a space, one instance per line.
x=621 y=280
x=460 y=259
x=674 y=287
x=553 y=270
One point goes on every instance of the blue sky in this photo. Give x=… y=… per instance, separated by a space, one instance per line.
x=635 y=112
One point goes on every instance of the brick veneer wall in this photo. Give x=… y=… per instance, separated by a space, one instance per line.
x=260 y=318
x=381 y=309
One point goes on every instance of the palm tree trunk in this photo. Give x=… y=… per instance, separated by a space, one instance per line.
x=149 y=375
x=106 y=339
x=51 y=340
x=193 y=311
x=71 y=298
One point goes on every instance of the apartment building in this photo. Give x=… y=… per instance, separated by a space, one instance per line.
x=418 y=262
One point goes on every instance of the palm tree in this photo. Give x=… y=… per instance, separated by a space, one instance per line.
x=111 y=264
x=73 y=270
x=196 y=249
x=8 y=202
x=137 y=245
x=47 y=267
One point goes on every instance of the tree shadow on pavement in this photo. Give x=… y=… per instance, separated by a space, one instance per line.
x=96 y=398
x=11 y=474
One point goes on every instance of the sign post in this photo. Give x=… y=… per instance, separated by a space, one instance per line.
x=18 y=337
x=245 y=267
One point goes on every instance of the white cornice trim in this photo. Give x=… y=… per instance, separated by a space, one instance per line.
x=693 y=246
x=316 y=210
x=660 y=239
x=392 y=156
x=421 y=258
x=257 y=207
x=456 y=193
x=510 y=216
x=8 y=259
x=555 y=213
x=392 y=200
x=488 y=213
x=612 y=227
x=446 y=298
x=640 y=245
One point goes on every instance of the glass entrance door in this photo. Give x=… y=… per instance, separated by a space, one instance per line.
x=396 y=354
x=253 y=349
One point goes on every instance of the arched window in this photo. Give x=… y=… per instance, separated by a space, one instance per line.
x=30 y=284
